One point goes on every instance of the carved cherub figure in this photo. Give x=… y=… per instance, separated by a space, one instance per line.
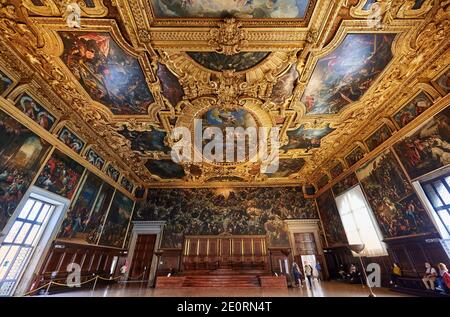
x=72 y=15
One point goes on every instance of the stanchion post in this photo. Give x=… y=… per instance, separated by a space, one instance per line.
x=95 y=283
x=48 y=288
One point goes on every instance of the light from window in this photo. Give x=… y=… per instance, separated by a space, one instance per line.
x=438 y=193
x=359 y=223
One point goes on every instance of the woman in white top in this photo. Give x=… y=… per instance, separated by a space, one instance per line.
x=430 y=276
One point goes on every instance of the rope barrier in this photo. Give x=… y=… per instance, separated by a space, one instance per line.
x=67 y=285
x=85 y=282
x=43 y=286
x=109 y=279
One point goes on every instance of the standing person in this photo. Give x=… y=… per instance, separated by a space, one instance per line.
x=444 y=278
x=124 y=270
x=297 y=275
x=309 y=273
x=395 y=274
x=430 y=276
x=319 y=271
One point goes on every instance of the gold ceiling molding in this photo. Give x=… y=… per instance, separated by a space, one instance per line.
x=256 y=82
x=58 y=7
x=195 y=34
x=49 y=76
x=30 y=47
x=313 y=7
x=228 y=38
x=423 y=45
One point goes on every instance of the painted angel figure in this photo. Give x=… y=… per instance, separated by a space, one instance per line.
x=72 y=15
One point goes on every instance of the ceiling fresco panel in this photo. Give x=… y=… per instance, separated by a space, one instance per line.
x=302 y=138
x=171 y=88
x=220 y=62
x=287 y=167
x=165 y=169
x=247 y=9
x=146 y=141
x=5 y=82
x=284 y=87
x=118 y=86
x=107 y=73
x=343 y=76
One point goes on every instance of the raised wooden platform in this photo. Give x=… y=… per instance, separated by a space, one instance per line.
x=222 y=278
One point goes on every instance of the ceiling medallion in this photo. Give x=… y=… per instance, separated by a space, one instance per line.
x=229 y=37
x=229 y=90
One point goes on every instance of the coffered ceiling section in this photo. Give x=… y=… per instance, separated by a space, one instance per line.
x=322 y=72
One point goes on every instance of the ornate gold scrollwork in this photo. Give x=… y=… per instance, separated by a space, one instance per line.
x=229 y=37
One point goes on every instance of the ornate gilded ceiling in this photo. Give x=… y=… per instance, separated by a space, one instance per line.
x=328 y=74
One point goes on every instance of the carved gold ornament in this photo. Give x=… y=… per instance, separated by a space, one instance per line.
x=30 y=50
x=229 y=37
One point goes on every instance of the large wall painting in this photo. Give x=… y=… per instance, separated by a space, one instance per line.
x=35 y=111
x=243 y=9
x=396 y=207
x=5 y=82
x=378 y=137
x=226 y=210
x=147 y=141
x=94 y=225
x=343 y=76
x=107 y=73
x=80 y=213
x=331 y=220
x=21 y=155
x=171 y=88
x=60 y=175
x=116 y=225
x=71 y=140
x=412 y=109
x=428 y=148
x=221 y=62
x=302 y=138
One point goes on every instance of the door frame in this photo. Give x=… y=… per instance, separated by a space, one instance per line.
x=145 y=227
x=50 y=233
x=307 y=226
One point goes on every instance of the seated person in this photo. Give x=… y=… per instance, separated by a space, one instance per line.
x=430 y=276
x=395 y=274
x=341 y=273
x=443 y=280
x=354 y=274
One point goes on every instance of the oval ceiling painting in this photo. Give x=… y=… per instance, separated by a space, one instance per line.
x=220 y=62
x=244 y=9
x=108 y=74
x=225 y=120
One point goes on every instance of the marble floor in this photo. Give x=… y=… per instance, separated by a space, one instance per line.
x=323 y=289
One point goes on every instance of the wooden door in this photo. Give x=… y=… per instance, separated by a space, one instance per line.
x=142 y=257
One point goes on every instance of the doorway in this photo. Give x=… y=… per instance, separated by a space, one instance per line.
x=142 y=257
x=27 y=236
